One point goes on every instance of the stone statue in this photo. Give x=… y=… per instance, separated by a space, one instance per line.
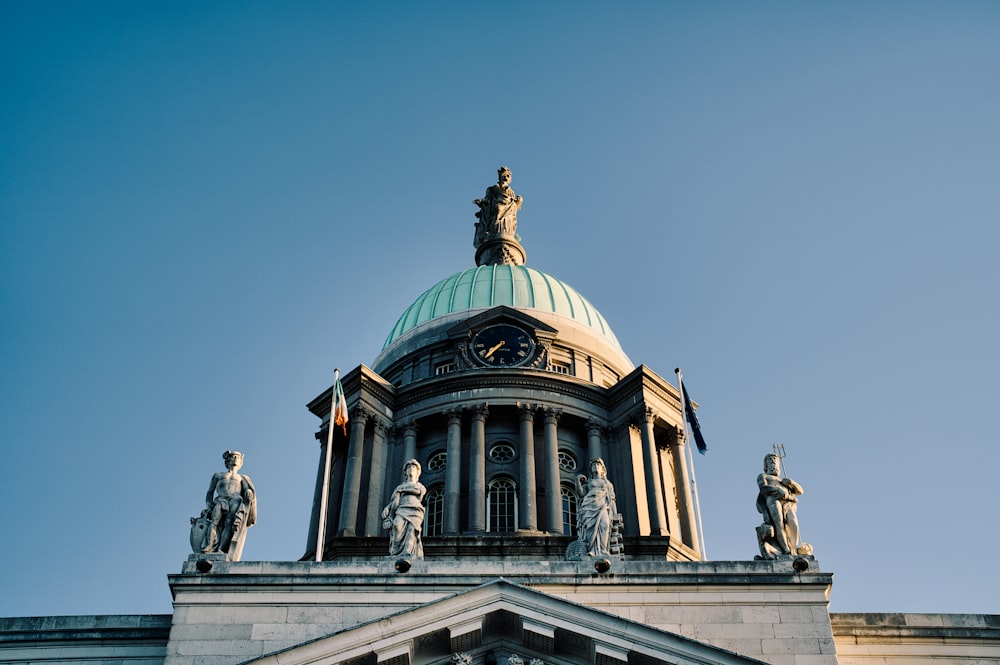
x=231 y=509
x=777 y=501
x=598 y=521
x=497 y=210
x=404 y=516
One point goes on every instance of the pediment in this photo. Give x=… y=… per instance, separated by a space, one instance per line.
x=501 y=314
x=491 y=623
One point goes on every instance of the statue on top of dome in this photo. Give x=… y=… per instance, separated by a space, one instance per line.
x=496 y=239
x=498 y=209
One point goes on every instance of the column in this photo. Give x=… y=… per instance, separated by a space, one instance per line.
x=376 y=479
x=689 y=526
x=352 y=472
x=477 y=470
x=453 y=474
x=321 y=436
x=593 y=442
x=672 y=501
x=527 y=518
x=409 y=440
x=553 y=495
x=651 y=465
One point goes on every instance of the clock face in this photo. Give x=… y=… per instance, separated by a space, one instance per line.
x=503 y=345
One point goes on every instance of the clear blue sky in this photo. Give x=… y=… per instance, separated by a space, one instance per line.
x=206 y=207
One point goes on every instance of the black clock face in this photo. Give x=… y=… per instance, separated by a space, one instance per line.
x=503 y=345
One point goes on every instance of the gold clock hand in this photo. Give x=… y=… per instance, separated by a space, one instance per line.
x=494 y=349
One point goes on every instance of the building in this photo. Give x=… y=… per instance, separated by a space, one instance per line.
x=505 y=385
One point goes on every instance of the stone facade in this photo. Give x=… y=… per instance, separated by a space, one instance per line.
x=760 y=611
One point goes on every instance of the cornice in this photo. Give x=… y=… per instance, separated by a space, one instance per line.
x=360 y=383
x=643 y=381
x=487 y=379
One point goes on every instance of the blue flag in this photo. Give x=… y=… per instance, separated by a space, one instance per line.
x=692 y=419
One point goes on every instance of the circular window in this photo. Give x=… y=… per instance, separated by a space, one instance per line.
x=501 y=453
x=566 y=461
x=437 y=461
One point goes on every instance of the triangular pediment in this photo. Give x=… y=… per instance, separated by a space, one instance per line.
x=501 y=314
x=491 y=623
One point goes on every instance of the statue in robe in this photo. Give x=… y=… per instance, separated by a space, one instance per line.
x=497 y=210
x=597 y=512
x=404 y=514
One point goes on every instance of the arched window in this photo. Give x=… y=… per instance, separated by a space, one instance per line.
x=434 y=516
x=501 y=505
x=568 y=509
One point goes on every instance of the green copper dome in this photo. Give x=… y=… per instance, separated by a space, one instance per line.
x=492 y=285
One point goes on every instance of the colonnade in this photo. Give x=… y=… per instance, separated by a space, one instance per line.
x=663 y=462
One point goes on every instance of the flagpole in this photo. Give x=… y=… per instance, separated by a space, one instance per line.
x=690 y=463
x=324 y=499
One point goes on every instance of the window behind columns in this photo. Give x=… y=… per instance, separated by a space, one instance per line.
x=501 y=505
x=568 y=510
x=434 y=517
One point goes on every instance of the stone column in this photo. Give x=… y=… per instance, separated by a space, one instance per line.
x=477 y=470
x=453 y=473
x=553 y=495
x=669 y=478
x=689 y=526
x=321 y=436
x=528 y=503
x=352 y=472
x=593 y=442
x=651 y=464
x=409 y=440
x=376 y=479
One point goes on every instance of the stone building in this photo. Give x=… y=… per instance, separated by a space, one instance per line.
x=503 y=383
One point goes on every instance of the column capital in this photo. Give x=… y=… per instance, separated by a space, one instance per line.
x=595 y=428
x=361 y=414
x=526 y=411
x=480 y=411
x=454 y=416
x=410 y=427
x=552 y=415
x=620 y=427
x=381 y=425
x=648 y=414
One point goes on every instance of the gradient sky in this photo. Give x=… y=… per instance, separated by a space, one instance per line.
x=206 y=207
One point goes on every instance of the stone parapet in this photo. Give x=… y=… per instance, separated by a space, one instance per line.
x=761 y=609
x=916 y=639
x=100 y=640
